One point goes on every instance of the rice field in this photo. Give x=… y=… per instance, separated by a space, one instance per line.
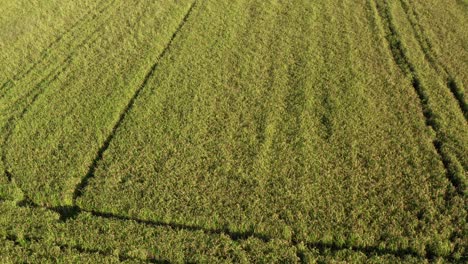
x=243 y=131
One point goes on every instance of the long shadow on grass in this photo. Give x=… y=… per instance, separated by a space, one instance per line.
x=92 y=169
x=71 y=212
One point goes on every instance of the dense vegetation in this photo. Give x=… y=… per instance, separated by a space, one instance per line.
x=233 y=131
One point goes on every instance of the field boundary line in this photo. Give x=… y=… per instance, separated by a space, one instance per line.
x=79 y=190
x=427 y=47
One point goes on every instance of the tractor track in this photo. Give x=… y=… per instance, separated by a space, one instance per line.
x=99 y=155
x=60 y=40
x=30 y=98
x=427 y=48
x=403 y=62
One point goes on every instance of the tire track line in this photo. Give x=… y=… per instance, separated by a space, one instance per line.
x=403 y=62
x=89 y=40
x=28 y=100
x=83 y=21
x=234 y=236
x=427 y=48
x=99 y=155
x=9 y=128
x=89 y=16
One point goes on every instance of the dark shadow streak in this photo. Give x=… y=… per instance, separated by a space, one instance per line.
x=426 y=46
x=71 y=212
x=10 y=122
x=92 y=169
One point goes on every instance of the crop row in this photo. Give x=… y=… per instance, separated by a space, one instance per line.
x=313 y=139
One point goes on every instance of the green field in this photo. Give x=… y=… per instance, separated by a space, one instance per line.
x=233 y=131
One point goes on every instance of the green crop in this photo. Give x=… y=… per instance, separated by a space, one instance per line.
x=236 y=131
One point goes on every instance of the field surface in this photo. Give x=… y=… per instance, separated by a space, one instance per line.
x=240 y=131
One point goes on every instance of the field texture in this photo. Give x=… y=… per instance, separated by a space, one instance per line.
x=238 y=131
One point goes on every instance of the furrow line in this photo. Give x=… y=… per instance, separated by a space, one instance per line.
x=11 y=121
x=89 y=40
x=236 y=236
x=99 y=155
x=34 y=95
x=426 y=46
x=89 y=16
x=5 y=87
x=71 y=212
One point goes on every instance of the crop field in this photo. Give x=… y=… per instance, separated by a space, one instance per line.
x=233 y=131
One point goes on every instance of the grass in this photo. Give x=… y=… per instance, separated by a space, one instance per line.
x=233 y=131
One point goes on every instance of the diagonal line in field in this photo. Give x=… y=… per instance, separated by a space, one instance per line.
x=235 y=236
x=88 y=40
x=9 y=128
x=37 y=91
x=99 y=155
